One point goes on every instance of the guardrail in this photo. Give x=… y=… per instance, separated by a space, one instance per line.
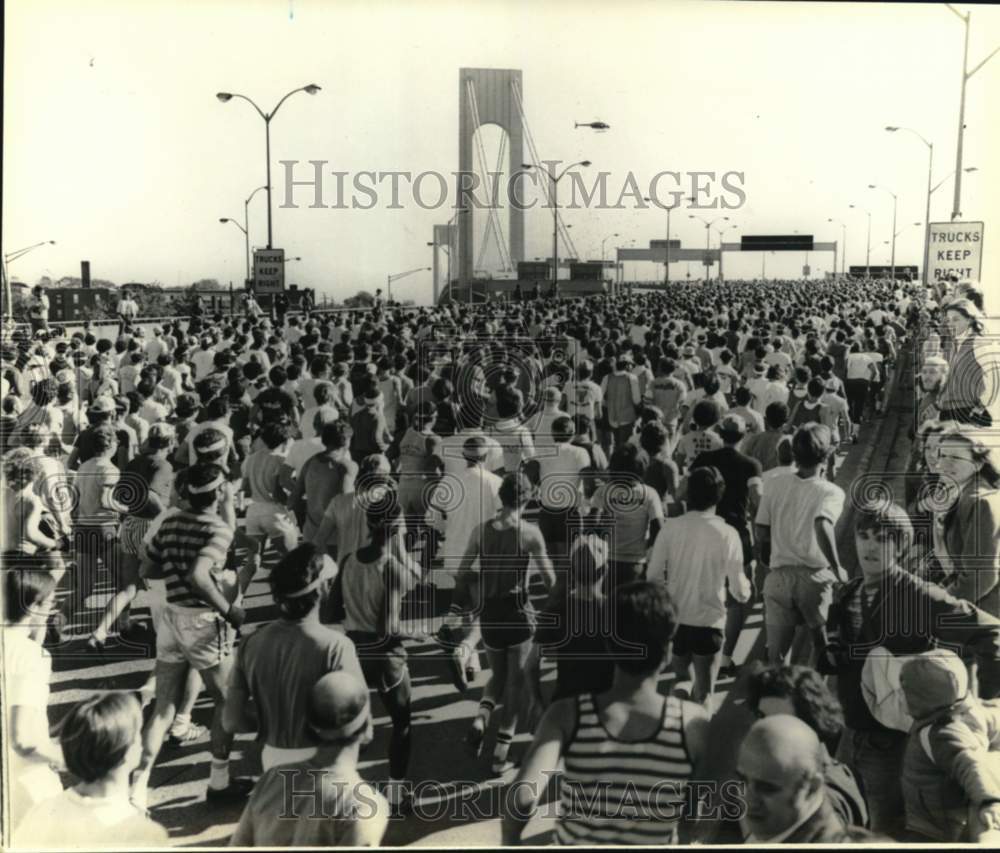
x=173 y=318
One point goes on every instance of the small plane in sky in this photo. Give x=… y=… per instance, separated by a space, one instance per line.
x=595 y=125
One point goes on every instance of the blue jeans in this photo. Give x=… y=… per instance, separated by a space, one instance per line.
x=877 y=761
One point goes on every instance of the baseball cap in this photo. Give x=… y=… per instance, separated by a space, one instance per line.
x=103 y=404
x=475 y=448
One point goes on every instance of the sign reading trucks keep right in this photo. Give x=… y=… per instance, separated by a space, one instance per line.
x=956 y=249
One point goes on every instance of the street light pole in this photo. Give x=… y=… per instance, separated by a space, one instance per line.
x=225 y=219
x=397 y=276
x=554 y=178
x=892 y=271
x=927 y=214
x=8 y=296
x=708 y=238
x=311 y=89
x=868 y=244
x=603 y=243
x=246 y=223
x=966 y=19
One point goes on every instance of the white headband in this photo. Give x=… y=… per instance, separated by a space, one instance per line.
x=218 y=445
x=349 y=728
x=329 y=571
x=200 y=490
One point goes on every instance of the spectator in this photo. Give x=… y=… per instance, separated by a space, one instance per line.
x=951 y=787
x=913 y=615
x=101 y=747
x=802 y=692
x=782 y=763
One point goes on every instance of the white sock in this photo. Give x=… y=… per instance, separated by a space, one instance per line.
x=181 y=722
x=219 y=775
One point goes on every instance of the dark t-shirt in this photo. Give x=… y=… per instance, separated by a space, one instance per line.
x=737 y=470
x=158 y=477
x=278 y=667
x=575 y=640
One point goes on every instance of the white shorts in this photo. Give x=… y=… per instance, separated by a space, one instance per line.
x=200 y=638
x=272 y=520
x=157 y=591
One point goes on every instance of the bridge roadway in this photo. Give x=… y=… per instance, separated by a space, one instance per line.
x=458 y=802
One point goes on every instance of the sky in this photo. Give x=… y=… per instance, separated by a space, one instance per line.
x=117 y=148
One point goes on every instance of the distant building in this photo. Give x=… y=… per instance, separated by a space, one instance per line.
x=69 y=304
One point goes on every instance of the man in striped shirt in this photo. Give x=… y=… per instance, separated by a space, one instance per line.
x=196 y=627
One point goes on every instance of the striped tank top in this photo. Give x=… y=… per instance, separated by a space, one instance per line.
x=623 y=792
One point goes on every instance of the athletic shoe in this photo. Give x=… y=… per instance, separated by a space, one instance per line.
x=476 y=735
x=237 y=789
x=188 y=734
x=457 y=661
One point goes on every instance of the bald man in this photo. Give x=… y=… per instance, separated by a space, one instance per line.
x=322 y=801
x=781 y=762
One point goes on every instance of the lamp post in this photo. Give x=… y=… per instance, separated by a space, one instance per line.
x=666 y=255
x=843 y=250
x=397 y=276
x=956 y=210
x=311 y=89
x=246 y=236
x=554 y=178
x=868 y=244
x=708 y=237
x=8 y=298
x=603 y=243
x=930 y=168
x=246 y=223
x=895 y=201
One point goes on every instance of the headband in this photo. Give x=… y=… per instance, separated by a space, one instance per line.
x=218 y=445
x=348 y=729
x=329 y=571
x=200 y=490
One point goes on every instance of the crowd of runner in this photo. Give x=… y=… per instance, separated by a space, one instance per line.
x=608 y=485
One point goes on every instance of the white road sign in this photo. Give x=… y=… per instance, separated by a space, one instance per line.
x=269 y=270
x=956 y=249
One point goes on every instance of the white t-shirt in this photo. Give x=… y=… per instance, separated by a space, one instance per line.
x=790 y=506
x=27 y=669
x=858 y=364
x=697 y=554
x=468 y=499
x=88 y=823
x=203 y=361
x=302 y=451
